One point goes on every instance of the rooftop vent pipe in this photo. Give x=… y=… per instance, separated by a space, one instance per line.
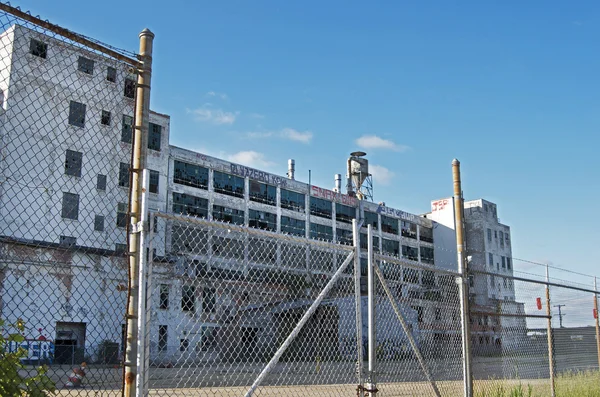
x=338 y=183
x=291 y=169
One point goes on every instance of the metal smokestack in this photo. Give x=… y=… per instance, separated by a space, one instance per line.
x=291 y=169
x=338 y=183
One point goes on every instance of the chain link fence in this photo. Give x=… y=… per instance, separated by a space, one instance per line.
x=224 y=298
x=65 y=144
x=229 y=310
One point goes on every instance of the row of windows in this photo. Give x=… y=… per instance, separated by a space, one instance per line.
x=77 y=112
x=499 y=236
x=73 y=166
x=197 y=176
x=85 y=65
x=506 y=262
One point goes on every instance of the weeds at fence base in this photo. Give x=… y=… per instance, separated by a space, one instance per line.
x=568 y=384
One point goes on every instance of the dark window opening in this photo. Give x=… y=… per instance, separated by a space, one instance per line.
x=38 y=48
x=154 y=134
x=188 y=298
x=127 y=129
x=70 y=206
x=321 y=232
x=153 y=183
x=229 y=215
x=190 y=175
x=129 y=88
x=427 y=255
x=262 y=220
x=426 y=234
x=124 y=174
x=389 y=225
x=371 y=218
x=411 y=253
x=190 y=205
x=344 y=236
x=101 y=182
x=228 y=184
x=162 y=337
x=73 y=163
x=208 y=300
x=344 y=213
x=105 y=118
x=121 y=214
x=77 y=114
x=320 y=207
x=292 y=200
x=263 y=193
x=99 y=223
x=67 y=241
x=390 y=246
x=111 y=74
x=163 y=301
x=409 y=229
x=85 y=65
x=293 y=226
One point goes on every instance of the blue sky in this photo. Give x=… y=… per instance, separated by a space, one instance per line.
x=509 y=88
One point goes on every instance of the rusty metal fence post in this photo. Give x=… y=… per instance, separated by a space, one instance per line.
x=550 y=339
x=463 y=284
x=596 y=315
x=140 y=144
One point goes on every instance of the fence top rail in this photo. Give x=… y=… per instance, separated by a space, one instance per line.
x=530 y=280
x=255 y=232
x=413 y=265
x=69 y=35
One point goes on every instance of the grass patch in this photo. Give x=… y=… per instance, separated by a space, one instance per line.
x=569 y=384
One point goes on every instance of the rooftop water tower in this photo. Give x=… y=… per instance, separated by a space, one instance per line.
x=359 y=182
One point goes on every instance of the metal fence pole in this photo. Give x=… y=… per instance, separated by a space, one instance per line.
x=550 y=339
x=463 y=285
x=597 y=320
x=143 y=291
x=372 y=382
x=357 y=295
x=140 y=144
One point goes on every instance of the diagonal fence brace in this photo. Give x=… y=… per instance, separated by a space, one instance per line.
x=411 y=340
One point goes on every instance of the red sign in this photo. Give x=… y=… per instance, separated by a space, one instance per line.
x=334 y=196
x=595 y=313
x=539 y=303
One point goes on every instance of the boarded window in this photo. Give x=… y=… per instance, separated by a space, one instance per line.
x=77 y=114
x=70 y=206
x=73 y=163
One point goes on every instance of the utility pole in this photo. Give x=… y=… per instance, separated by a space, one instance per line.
x=560 y=314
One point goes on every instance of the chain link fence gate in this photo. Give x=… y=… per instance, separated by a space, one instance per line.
x=66 y=117
x=224 y=298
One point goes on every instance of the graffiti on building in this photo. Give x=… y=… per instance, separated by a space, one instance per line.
x=439 y=205
x=333 y=196
x=38 y=351
x=262 y=176
x=383 y=210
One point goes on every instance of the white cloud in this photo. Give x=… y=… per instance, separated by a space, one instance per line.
x=298 y=136
x=250 y=158
x=381 y=175
x=207 y=114
x=221 y=95
x=375 y=142
x=286 y=133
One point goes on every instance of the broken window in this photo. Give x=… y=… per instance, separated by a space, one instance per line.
x=164 y=297
x=292 y=200
x=127 y=129
x=389 y=225
x=111 y=74
x=85 y=65
x=320 y=207
x=190 y=205
x=99 y=223
x=371 y=218
x=38 y=48
x=262 y=220
x=190 y=175
x=344 y=213
x=121 y=214
x=426 y=234
x=427 y=255
x=293 y=226
x=263 y=193
x=409 y=229
x=208 y=300
x=228 y=184
x=229 y=215
x=129 y=88
x=321 y=232
x=163 y=331
x=73 y=163
x=105 y=118
x=124 y=174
